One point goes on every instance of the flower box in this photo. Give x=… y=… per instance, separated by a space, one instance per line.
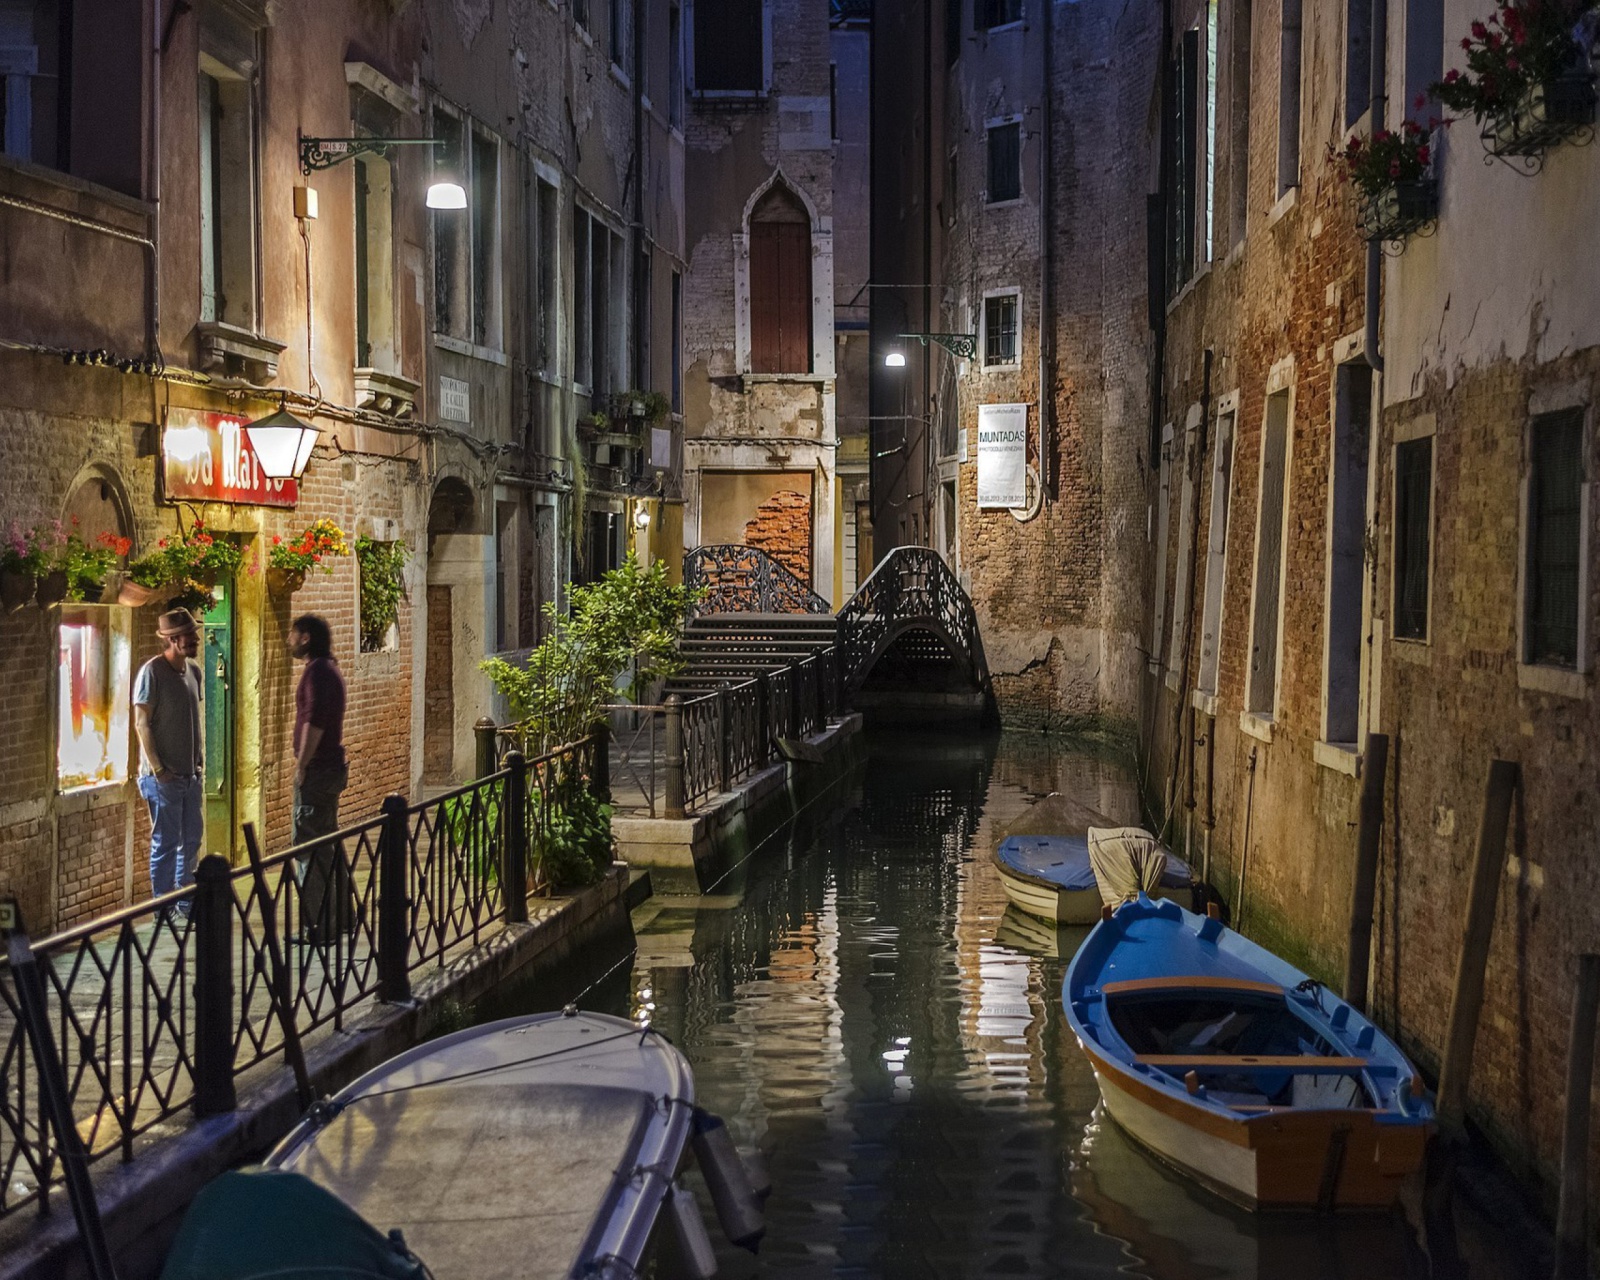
x=1547 y=113
x=1400 y=210
x=284 y=582
x=16 y=589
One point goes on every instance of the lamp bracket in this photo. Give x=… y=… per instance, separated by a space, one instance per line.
x=324 y=153
x=963 y=346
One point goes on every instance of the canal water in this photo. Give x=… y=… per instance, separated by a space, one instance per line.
x=865 y=1010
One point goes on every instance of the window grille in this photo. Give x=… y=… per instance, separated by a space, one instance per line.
x=1000 y=329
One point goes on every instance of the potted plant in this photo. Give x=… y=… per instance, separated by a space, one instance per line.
x=289 y=560
x=1527 y=80
x=1390 y=173
x=190 y=563
x=19 y=568
x=89 y=566
x=382 y=587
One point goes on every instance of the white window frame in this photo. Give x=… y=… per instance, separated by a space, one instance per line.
x=1424 y=426
x=1568 y=682
x=1186 y=549
x=1163 y=529
x=999 y=122
x=493 y=348
x=1347 y=351
x=1280 y=381
x=983 y=330
x=1213 y=611
x=712 y=95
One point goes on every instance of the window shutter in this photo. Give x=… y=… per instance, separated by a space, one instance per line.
x=764 y=310
x=780 y=297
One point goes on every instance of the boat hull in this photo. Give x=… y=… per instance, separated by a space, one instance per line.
x=1051 y=902
x=1291 y=1160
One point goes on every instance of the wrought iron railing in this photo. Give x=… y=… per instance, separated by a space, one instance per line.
x=911 y=587
x=159 y=1007
x=669 y=758
x=738 y=579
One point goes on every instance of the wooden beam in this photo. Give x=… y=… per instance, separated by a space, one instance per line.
x=1572 y=1218
x=1363 y=889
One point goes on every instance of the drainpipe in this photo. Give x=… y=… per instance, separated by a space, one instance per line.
x=641 y=375
x=1378 y=75
x=1047 y=227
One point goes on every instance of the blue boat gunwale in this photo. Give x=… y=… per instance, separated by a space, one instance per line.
x=1386 y=1075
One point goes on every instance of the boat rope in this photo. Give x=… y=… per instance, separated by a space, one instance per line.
x=1313 y=988
x=577 y=1000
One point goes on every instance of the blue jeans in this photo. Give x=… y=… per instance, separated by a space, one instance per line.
x=176 y=822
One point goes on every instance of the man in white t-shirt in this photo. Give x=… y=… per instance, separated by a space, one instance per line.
x=167 y=698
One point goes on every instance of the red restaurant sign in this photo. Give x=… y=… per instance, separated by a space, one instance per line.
x=206 y=457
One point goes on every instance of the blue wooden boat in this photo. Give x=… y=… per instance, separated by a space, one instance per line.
x=1050 y=877
x=1235 y=1067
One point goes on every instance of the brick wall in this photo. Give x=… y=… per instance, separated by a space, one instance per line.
x=782 y=528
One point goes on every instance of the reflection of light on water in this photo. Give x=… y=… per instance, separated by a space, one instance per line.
x=92 y=713
x=1004 y=1009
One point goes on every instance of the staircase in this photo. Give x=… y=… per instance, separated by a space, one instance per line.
x=734 y=647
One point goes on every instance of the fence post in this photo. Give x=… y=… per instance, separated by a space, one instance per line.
x=763 y=719
x=483 y=733
x=600 y=772
x=514 y=848
x=394 y=934
x=676 y=796
x=213 y=988
x=795 y=731
x=819 y=674
x=724 y=746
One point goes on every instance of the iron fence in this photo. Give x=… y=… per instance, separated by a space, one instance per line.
x=159 y=1007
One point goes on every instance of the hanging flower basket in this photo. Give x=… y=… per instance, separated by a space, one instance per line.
x=16 y=589
x=284 y=582
x=121 y=589
x=1399 y=210
x=1547 y=114
x=51 y=588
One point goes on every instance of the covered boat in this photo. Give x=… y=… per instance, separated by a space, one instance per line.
x=1234 y=1066
x=1052 y=877
x=542 y=1146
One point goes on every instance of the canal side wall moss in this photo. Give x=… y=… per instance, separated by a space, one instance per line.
x=142 y=1202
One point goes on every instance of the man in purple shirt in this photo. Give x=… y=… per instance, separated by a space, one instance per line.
x=320 y=774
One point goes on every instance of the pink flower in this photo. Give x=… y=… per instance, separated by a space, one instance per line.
x=1451 y=76
x=1479 y=30
x=1465 y=43
x=1423 y=153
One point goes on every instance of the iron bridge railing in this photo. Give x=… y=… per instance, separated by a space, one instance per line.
x=159 y=1007
x=739 y=579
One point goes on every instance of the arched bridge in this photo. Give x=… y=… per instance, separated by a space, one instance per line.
x=907 y=642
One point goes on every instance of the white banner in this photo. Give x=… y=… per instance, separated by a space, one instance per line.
x=1002 y=455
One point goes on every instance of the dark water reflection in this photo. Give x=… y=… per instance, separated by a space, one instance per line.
x=860 y=1004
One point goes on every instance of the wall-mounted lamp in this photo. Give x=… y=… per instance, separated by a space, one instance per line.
x=895 y=360
x=282 y=444
x=641 y=517
x=963 y=346
x=324 y=153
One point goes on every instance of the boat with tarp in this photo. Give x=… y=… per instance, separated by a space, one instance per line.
x=540 y=1146
x=1232 y=1065
x=1057 y=877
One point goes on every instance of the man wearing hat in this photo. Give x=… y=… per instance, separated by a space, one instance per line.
x=167 y=717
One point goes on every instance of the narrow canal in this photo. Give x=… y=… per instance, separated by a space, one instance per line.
x=861 y=1005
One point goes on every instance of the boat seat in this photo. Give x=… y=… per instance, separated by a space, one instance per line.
x=1295 y=1063
x=1190 y=982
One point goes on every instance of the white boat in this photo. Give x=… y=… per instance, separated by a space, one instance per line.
x=542 y=1146
x=1051 y=877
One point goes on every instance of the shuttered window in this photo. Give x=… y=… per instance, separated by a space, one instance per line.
x=780 y=286
x=1413 y=530
x=729 y=48
x=1005 y=163
x=1554 y=538
x=1263 y=694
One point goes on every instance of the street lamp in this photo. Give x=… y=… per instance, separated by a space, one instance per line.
x=963 y=346
x=282 y=444
x=324 y=153
x=895 y=360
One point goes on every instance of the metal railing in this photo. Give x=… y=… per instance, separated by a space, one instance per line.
x=734 y=578
x=159 y=1007
x=669 y=758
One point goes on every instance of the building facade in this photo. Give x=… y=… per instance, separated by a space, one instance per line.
x=182 y=261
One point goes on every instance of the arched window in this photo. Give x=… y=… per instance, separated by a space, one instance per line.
x=780 y=284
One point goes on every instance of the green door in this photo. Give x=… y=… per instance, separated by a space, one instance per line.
x=216 y=661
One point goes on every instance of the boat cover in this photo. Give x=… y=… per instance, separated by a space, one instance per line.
x=266 y=1222
x=1063 y=860
x=1127 y=861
